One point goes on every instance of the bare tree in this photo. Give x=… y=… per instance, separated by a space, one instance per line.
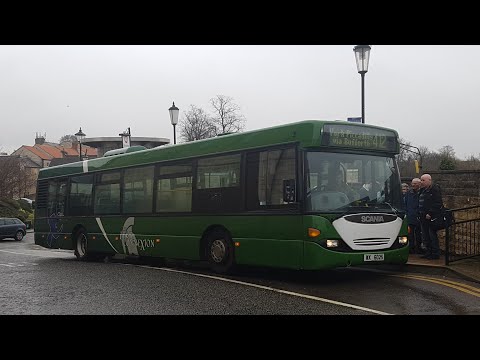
x=447 y=152
x=196 y=125
x=16 y=179
x=67 y=138
x=226 y=117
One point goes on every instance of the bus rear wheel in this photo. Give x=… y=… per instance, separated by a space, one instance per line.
x=81 y=247
x=220 y=251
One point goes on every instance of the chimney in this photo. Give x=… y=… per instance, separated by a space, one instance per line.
x=39 y=139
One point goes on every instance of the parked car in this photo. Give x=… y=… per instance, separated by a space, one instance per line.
x=12 y=228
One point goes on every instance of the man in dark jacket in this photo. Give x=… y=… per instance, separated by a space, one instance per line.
x=429 y=207
x=411 y=206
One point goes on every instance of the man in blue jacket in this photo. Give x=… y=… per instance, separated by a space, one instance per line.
x=414 y=229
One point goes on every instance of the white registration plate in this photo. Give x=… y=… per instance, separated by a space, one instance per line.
x=373 y=257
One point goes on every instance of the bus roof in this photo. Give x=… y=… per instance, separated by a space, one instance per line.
x=309 y=133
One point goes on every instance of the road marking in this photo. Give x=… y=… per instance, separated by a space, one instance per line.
x=449 y=283
x=311 y=297
x=20 y=264
x=50 y=254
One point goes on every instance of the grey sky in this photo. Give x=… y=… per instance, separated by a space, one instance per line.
x=429 y=94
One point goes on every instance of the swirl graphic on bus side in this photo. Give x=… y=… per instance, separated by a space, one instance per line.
x=56 y=227
x=129 y=241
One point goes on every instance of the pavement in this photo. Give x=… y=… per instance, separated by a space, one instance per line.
x=468 y=269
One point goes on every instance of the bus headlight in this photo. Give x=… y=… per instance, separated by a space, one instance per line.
x=332 y=243
x=402 y=240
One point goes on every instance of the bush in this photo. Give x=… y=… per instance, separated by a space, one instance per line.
x=11 y=208
x=25 y=205
x=11 y=203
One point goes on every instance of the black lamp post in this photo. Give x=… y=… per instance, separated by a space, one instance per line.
x=362 y=55
x=174 y=119
x=80 y=136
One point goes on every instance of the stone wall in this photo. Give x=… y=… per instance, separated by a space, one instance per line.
x=460 y=188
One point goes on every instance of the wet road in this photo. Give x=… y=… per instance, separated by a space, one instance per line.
x=35 y=280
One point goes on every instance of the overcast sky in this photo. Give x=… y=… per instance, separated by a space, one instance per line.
x=430 y=94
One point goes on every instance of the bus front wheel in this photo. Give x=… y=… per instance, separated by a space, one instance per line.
x=220 y=251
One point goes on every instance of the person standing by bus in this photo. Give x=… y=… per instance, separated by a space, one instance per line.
x=429 y=207
x=411 y=206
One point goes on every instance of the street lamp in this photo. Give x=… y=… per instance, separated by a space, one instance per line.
x=362 y=55
x=80 y=136
x=174 y=119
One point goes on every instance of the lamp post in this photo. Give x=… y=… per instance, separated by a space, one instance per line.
x=362 y=55
x=80 y=136
x=173 y=110
x=126 y=136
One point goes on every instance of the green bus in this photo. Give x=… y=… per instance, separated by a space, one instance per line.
x=307 y=195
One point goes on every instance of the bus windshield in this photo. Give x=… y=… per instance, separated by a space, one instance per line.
x=336 y=182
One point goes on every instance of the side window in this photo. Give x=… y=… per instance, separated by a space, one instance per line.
x=9 y=222
x=107 y=193
x=52 y=198
x=57 y=196
x=138 y=190
x=219 y=172
x=218 y=184
x=174 y=188
x=80 y=200
x=61 y=197
x=2 y=222
x=270 y=176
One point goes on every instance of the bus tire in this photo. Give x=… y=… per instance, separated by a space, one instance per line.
x=220 y=251
x=81 y=245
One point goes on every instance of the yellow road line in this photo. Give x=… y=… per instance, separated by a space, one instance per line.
x=452 y=284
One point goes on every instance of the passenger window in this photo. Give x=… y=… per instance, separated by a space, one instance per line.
x=218 y=185
x=138 y=190
x=174 y=188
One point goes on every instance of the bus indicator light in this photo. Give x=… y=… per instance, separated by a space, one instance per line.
x=237 y=243
x=157 y=240
x=93 y=237
x=312 y=232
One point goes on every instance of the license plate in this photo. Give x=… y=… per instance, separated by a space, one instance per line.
x=373 y=257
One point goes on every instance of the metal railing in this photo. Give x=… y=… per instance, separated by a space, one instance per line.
x=462 y=235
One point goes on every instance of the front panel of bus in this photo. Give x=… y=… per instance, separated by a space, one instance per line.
x=354 y=201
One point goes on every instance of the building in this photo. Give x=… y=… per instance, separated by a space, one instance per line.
x=45 y=154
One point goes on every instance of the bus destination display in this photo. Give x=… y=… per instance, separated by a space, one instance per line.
x=358 y=137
